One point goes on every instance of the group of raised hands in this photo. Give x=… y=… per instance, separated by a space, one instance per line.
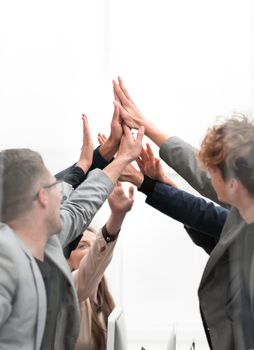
x=122 y=145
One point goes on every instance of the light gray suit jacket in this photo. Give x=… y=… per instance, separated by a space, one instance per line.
x=224 y=291
x=22 y=291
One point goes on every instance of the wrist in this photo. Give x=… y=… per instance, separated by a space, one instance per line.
x=107 y=236
x=137 y=179
x=108 y=149
x=84 y=165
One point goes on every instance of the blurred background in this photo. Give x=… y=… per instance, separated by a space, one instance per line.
x=184 y=63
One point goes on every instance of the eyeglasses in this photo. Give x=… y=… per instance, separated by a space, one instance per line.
x=57 y=183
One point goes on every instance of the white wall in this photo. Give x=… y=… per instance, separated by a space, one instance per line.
x=184 y=62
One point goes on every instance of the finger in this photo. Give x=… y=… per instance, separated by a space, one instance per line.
x=127 y=130
x=116 y=114
x=120 y=94
x=104 y=138
x=144 y=155
x=157 y=164
x=123 y=88
x=118 y=183
x=140 y=135
x=86 y=130
x=131 y=192
x=140 y=165
x=150 y=151
x=116 y=97
x=100 y=139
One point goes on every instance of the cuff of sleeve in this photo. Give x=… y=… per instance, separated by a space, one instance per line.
x=108 y=238
x=147 y=186
x=98 y=160
x=75 y=176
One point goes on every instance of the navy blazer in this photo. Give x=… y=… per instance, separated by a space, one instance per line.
x=202 y=220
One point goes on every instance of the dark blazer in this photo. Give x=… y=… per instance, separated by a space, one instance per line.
x=202 y=220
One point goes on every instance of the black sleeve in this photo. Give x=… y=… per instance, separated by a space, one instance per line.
x=75 y=176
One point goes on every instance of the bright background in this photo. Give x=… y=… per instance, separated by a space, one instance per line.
x=184 y=62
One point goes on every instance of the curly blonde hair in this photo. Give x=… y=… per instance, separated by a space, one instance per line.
x=229 y=146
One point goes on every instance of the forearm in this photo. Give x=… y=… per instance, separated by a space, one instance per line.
x=185 y=208
x=114 y=223
x=78 y=211
x=114 y=169
x=155 y=134
x=93 y=266
x=109 y=149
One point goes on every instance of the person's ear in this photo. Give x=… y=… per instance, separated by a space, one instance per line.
x=234 y=186
x=42 y=197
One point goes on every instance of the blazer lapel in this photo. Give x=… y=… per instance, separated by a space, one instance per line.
x=41 y=295
x=232 y=228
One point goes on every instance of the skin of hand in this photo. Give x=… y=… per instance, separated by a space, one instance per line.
x=128 y=110
x=132 y=175
x=131 y=115
x=86 y=156
x=151 y=166
x=128 y=151
x=119 y=204
x=110 y=146
x=102 y=138
x=130 y=147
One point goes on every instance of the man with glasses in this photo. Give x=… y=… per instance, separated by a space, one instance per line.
x=38 y=304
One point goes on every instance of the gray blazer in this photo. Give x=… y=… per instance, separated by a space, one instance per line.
x=22 y=291
x=224 y=291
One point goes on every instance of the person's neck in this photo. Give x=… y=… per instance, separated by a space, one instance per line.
x=246 y=210
x=32 y=234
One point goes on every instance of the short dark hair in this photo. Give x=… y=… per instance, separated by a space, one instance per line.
x=21 y=171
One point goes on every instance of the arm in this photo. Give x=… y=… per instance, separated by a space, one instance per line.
x=85 y=201
x=175 y=152
x=186 y=208
x=93 y=265
x=201 y=239
x=102 y=155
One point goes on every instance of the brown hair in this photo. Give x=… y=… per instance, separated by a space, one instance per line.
x=106 y=306
x=229 y=146
x=21 y=170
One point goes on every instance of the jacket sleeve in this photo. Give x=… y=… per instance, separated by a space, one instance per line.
x=192 y=211
x=202 y=239
x=93 y=266
x=78 y=211
x=181 y=156
x=98 y=162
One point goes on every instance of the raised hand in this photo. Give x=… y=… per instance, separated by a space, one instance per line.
x=128 y=110
x=118 y=202
x=110 y=146
x=130 y=147
x=150 y=165
x=86 y=156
